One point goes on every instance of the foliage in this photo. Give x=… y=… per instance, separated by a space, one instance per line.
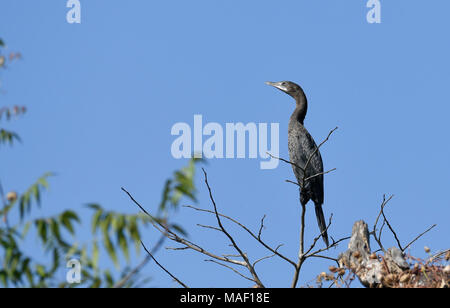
x=112 y=232
x=432 y=272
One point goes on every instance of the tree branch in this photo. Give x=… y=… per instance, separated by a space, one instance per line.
x=233 y=242
x=256 y=237
x=162 y=267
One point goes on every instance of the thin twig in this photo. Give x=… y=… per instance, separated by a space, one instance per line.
x=320 y=173
x=286 y=161
x=233 y=242
x=141 y=265
x=316 y=239
x=374 y=230
x=439 y=254
x=176 y=238
x=419 y=236
x=301 y=256
x=178 y=248
x=325 y=257
x=381 y=230
x=295 y=183
x=333 y=244
x=249 y=232
x=383 y=204
x=392 y=229
x=209 y=227
x=266 y=257
x=317 y=148
x=162 y=267
x=135 y=202
x=261 y=227
x=231 y=268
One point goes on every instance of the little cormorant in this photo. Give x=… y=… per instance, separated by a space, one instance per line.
x=301 y=149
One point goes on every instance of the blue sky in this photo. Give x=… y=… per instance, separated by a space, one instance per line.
x=103 y=95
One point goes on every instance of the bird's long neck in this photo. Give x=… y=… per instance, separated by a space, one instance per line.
x=301 y=108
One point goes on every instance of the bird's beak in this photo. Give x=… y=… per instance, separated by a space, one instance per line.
x=276 y=85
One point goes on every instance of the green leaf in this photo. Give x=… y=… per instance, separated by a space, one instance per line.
x=166 y=195
x=40 y=270
x=54 y=227
x=8 y=137
x=122 y=240
x=8 y=254
x=95 y=254
x=25 y=229
x=6 y=209
x=26 y=199
x=25 y=264
x=108 y=278
x=66 y=217
x=96 y=283
x=71 y=215
x=42 y=230
x=109 y=246
x=3 y=278
x=110 y=250
x=133 y=231
x=55 y=260
x=94 y=206
x=96 y=218
x=84 y=255
x=73 y=250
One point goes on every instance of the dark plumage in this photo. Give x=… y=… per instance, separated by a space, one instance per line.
x=301 y=148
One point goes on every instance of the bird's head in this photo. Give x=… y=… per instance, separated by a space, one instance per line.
x=288 y=87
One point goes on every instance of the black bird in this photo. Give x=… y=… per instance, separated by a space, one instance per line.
x=301 y=149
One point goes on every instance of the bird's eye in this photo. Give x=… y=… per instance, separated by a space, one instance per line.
x=283 y=83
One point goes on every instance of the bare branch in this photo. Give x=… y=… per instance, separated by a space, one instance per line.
x=286 y=161
x=261 y=227
x=231 y=268
x=162 y=267
x=176 y=238
x=439 y=254
x=295 y=183
x=321 y=173
x=233 y=242
x=301 y=256
x=324 y=257
x=266 y=257
x=209 y=227
x=374 y=230
x=137 y=203
x=392 y=229
x=141 y=265
x=304 y=255
x=249 y=232
x=419 y=236
x=178 y=248
x=316 y=239
x=232 y=255
x=383 y=204
x=333 y=244
x=317 y=148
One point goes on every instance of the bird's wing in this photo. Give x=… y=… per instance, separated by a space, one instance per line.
x=314 y=169
x=302 y=148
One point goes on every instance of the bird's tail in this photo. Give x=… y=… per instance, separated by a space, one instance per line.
x=321 y=223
